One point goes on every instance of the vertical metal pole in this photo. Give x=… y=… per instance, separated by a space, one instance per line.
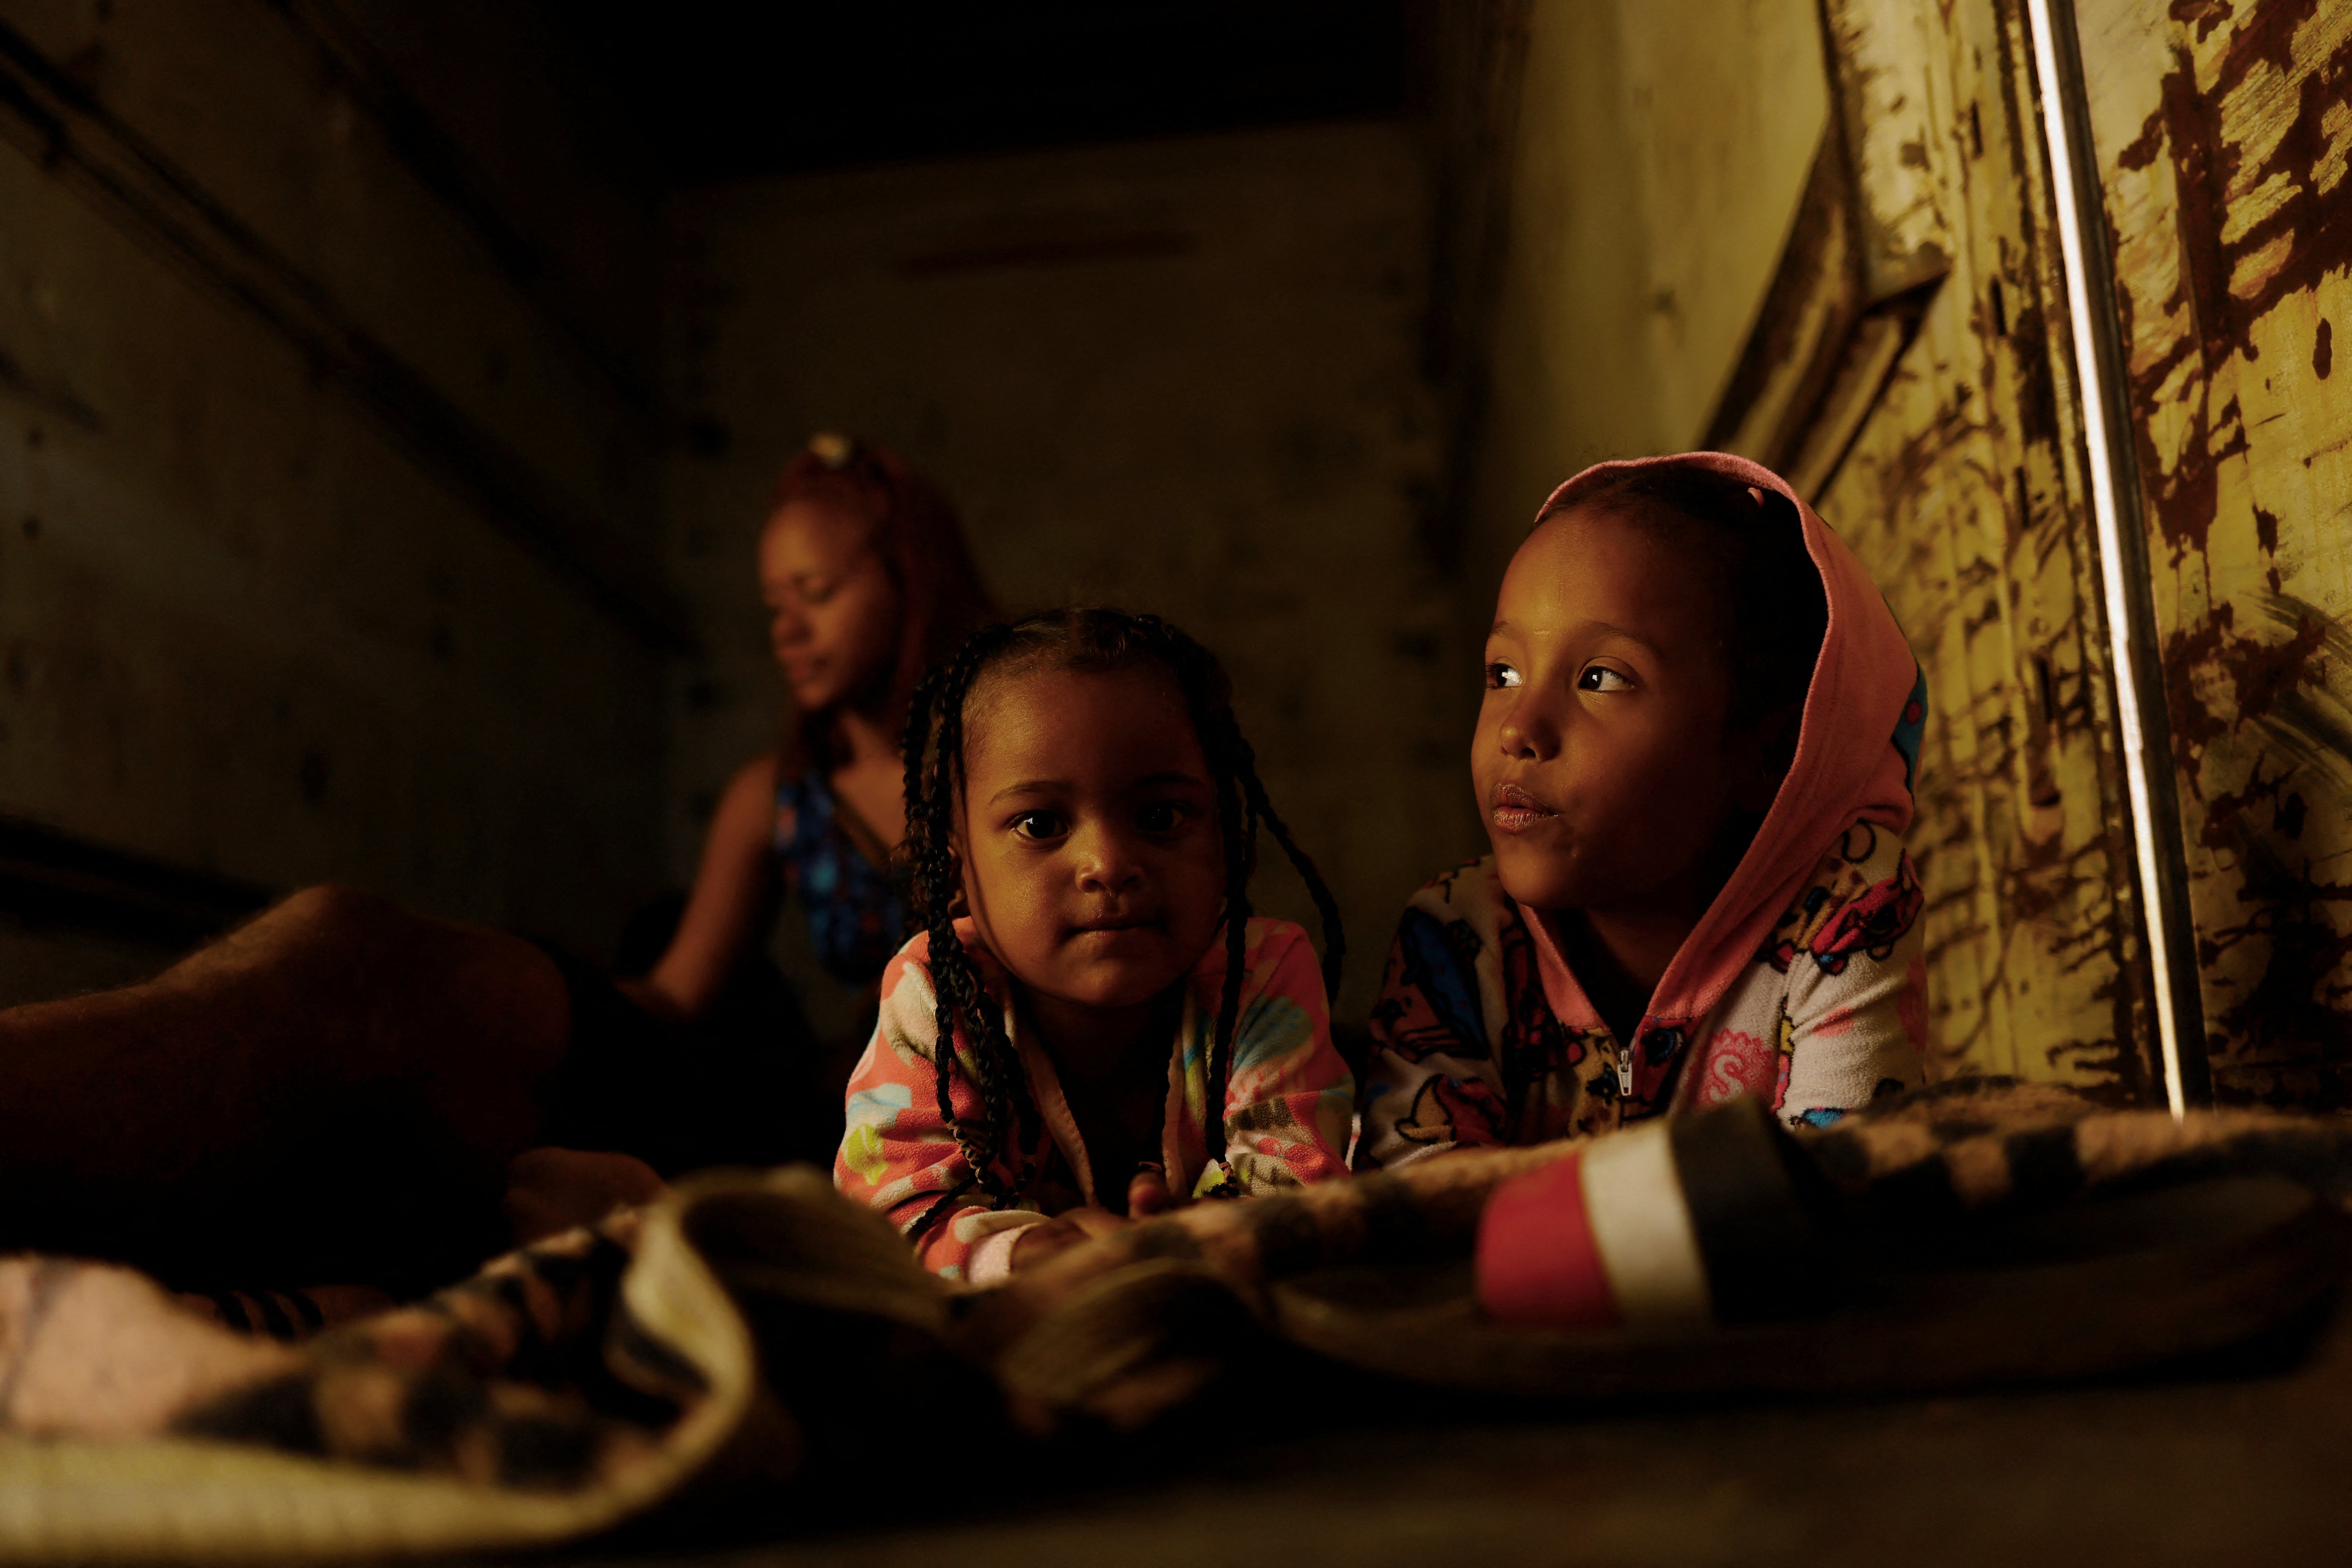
x=2099 y=367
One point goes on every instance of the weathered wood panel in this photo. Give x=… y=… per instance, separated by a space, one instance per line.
x=2222 y=132
x=1954 y=474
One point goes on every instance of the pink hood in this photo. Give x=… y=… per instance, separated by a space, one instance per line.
x=1857 y=752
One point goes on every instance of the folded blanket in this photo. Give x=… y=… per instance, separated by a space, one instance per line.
x=740 y=1335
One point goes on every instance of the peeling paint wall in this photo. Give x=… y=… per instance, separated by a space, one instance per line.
x=2222 y=133
x=1961 y=493
x=1178 y=375
x=321 y=466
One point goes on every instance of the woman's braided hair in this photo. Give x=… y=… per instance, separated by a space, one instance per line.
x=1090 y=641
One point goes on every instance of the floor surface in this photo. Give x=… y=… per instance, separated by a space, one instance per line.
x=2218 y=1466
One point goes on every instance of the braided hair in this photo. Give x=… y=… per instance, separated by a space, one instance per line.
x=1090 y=641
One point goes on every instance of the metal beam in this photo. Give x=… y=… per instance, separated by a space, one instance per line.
x=50 y=879
x=2167 y=930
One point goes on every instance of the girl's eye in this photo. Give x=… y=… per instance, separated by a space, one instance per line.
x=1038 y=825
x=818 y=593
x=1600 y=677
x=1499 y=676
x=1160 y=817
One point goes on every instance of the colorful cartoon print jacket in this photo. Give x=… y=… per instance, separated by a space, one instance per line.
x=1289 y=1103
x=1468 y=1049
x=1803 y=983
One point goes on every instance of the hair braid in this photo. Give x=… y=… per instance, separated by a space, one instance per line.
x=934 y=745
x=1335 y=936
x=1237 y=816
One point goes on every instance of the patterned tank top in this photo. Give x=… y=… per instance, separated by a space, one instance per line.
x=856 y=919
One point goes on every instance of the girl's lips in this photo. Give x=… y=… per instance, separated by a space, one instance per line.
x=1115 y=927
x=1516 y=811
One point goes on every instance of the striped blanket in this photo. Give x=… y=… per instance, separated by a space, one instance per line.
x=750 y=1335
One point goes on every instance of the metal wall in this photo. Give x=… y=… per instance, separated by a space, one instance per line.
x=328 y=512
x=2221 y=134
x=1912 y=367
x=1909 y=370
x=1177 y=375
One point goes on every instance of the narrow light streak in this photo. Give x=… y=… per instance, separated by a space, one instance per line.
x=2067 y=174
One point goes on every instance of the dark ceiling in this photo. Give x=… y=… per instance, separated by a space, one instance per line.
x=720 y=91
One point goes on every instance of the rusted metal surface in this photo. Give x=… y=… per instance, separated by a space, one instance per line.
x=2223 y=129
x=1866 y=255
x=1887 y=58
x=1956 y=482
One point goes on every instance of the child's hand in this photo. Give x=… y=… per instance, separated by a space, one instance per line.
x=1063 y=1231
x=1147 y=1197
x=552 y=1190
x=1148 y=1194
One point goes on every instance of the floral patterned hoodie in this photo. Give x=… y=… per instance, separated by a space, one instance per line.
x=1289 y=1103
x=1803 y=983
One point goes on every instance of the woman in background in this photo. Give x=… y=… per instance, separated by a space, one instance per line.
x=868 y=581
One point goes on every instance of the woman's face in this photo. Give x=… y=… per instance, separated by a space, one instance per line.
x=833 y=608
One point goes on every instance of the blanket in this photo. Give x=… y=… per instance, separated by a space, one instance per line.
x=753 y=1335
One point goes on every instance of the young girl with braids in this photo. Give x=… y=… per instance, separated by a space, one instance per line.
x=1090 y=1025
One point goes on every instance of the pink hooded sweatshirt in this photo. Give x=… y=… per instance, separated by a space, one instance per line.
x=1803 y=983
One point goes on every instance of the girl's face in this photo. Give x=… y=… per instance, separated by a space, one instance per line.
x=1092 y=862
x=1601 y=761
x=833 y=608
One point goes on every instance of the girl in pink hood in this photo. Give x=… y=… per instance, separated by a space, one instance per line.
x=1695 y=757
